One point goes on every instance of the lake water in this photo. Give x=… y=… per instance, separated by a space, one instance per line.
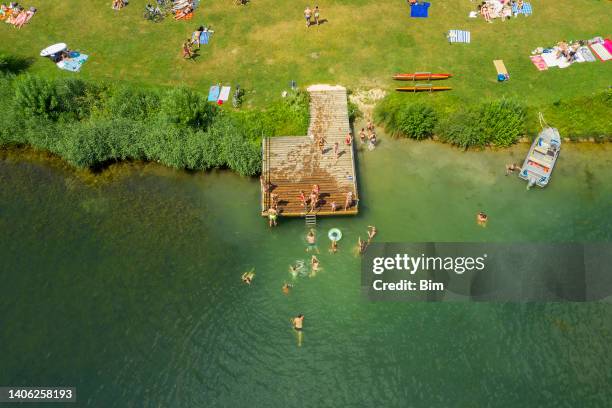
x=127 y=286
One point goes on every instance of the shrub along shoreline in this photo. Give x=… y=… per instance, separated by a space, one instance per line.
x=91 y=124
x=498 y=123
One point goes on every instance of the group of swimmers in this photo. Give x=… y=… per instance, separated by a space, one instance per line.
x=370 y=137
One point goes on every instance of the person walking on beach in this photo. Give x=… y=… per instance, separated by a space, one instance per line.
x=316 y=15
x=349 y=200
x=298 y=325
x=307 y=15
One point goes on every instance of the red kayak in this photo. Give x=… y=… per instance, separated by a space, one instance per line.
x=420 y=76
x=423 y=88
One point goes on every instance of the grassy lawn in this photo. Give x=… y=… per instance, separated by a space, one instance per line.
x=264 y=45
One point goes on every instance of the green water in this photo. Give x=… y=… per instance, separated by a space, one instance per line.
x=130 y=290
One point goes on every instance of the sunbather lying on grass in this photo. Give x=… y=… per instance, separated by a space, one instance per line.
x=119 y=4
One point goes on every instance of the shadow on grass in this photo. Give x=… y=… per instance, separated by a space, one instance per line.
x=14 y=65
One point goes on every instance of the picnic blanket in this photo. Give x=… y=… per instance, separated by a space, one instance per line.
x=213 y=94
x=587 y=54
x=74 y=63
x=419 y=10
x=459 y=36
x=601 y=52
x=224 y=95
x=539 y=62
x=501 y=68
x=551 y=59
x=205 y=37
x=608 y=45
x=526 y=11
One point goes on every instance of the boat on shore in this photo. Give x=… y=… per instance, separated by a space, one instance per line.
x=420 y=76
x=423 y=88
x=541 y=158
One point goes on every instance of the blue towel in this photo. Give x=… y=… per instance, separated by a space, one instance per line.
x=73 y=64
x=213 y=94
x=205 y=37
x=459 y=36
x=527 y=10
x=419 y=10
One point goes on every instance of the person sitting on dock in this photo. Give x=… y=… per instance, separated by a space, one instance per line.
x=302 y=198
x=322 y=144
x=371 y=233
x=274 y=198
x=349 y=200
x=272 y=215
x=265 y=185
x=349 y=139
x=334 y=206
x=336 y=152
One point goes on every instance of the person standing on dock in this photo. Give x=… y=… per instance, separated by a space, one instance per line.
x=302 y=198
x=314 y=199
x=334 y=206
x=322 y=144
x=349 y=200
x=349 y=139
x=336 y=152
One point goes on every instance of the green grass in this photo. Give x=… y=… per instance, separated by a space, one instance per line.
x=264 y=45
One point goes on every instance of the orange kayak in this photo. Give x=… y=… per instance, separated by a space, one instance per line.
x=420 y=76
x=423 y=88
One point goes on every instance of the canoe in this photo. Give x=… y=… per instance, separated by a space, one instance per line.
x=420 y=76
x=423 y=88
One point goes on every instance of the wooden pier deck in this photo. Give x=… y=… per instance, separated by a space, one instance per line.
x=294 y=163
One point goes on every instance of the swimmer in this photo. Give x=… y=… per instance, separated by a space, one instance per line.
x=334 y=246
x=510 y=168
x=298 y=324
x=272 y=215
x=370 y=125
x=247 y=277
x=311 y=240
x=481 y=219
x=314 y=263
x=362 y=135
x=361 y=246
x=293 y=270
x=371 y=233
x=286 y=288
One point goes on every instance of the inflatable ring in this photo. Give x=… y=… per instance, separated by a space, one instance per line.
x=334 y=234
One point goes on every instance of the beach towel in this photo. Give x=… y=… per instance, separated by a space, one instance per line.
x=213 y=94
x=419 y=10
x=551 y=59
x=224 y=94
x=501 y=68
x=539 y=62
x=608 y=45
x=73 y=64
x=601 y=52
x=526 y=11
x=587 y=54
x=205 y=37
x=459 y=36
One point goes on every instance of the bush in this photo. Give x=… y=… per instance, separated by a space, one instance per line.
x=132 y=103
x=35 y=96
x=502 y=122
x=184 y=107
x=416 y=121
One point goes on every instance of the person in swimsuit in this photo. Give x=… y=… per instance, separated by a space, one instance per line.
x=307 y=14
x=316 y=15
x=371 y=233
x=362 y=135
x=286 y=288
x=361 y=246
x=298 y=324
x=195 y=38
x=311 y=241
x=334 y=247
x=481 y=219
x=187 y=53
x=370 y=126
x=274 y=198
x=334 y=206
x=302 y=198
x=314 y=264
x=510 y=168
x=349 y=200
x=272 y=215
x=336 y=152
x=322 y=144
x=314 y=199
x=349 y=139
x=247 y=277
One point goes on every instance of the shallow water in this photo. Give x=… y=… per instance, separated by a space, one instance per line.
x=130 y=289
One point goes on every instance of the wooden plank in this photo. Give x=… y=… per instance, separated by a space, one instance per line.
x=295 y=163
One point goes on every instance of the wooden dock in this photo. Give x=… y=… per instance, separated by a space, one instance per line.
x=294 y=163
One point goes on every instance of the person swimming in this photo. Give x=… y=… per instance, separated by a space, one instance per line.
x=334 y=246
x=298 y=325
x=286 y=288
x=371 y=233
x=361 y=246
x=248 y=277
x=311 y=241
x=296 y=269
x=481 y=219
x=314 y=266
